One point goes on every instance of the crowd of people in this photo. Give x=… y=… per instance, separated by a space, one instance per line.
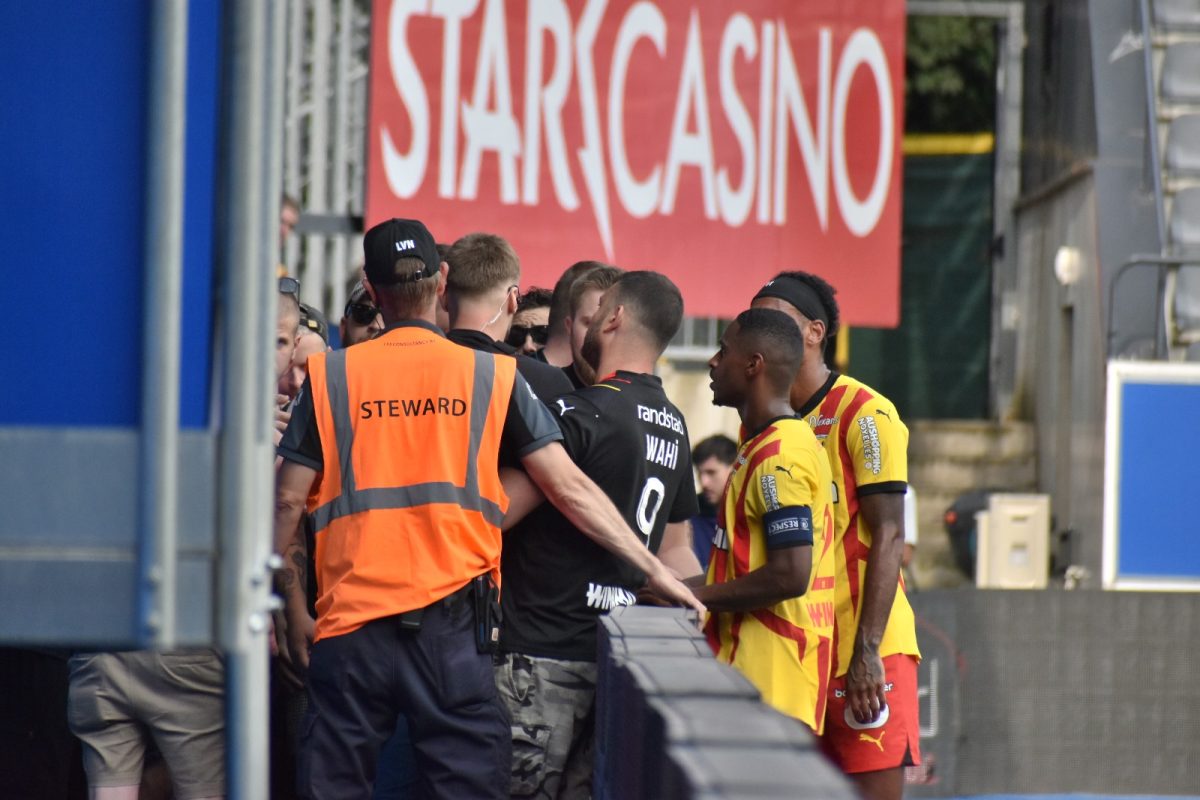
x=478 y=474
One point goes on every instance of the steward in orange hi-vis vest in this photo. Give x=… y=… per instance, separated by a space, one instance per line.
x=410 y=504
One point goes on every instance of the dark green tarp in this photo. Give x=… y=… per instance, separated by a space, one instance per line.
x=935 y=365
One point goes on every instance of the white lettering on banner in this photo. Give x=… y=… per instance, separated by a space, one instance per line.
x=735 y=203
x=405 y=171
x=591 y=155
x=695 y=149
x=644 y=20
x=864 y=47
x=491 y=130
x=543 y=104
x=559 y=61
x=766 y=110
x=789 y=101
x=452 y=12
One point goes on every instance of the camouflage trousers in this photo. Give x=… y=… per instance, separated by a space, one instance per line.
x=553 y=708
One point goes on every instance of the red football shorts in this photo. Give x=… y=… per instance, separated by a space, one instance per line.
x=893 y=740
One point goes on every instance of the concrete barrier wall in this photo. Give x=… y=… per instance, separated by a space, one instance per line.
x=1050 y=691
x=674 y=724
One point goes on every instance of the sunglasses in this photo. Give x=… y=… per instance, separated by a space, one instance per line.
x=517 y=333
x=361 y=313
x=289 y=286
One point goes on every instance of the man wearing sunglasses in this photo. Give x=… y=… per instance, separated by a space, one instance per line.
x=361 y=320
x=531 y=326
x=481 y=298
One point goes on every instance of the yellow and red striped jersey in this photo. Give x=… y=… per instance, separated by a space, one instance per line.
x=867 y=447
x=786 y=649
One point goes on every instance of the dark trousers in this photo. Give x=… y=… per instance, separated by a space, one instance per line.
x=360 y=682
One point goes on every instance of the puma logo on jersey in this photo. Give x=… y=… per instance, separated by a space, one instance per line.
x=786 y=470
x=563 y=407
x=884 y=413
x=875 y=740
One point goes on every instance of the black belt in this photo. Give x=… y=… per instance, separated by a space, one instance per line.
x=411 y=620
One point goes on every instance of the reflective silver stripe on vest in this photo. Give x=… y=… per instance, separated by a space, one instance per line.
x=337 y=387
x=421 y=494
x=481 y=400
x=353 y=500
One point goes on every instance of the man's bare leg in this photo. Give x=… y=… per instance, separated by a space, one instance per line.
x=882 y=784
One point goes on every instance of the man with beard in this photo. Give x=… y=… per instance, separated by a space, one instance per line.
x=361 y=320
x=626 y=435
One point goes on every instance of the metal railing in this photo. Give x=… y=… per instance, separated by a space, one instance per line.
x=1166 y=330
x=1152 y=135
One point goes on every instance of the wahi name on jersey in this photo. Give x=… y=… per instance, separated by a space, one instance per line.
x=664 y=452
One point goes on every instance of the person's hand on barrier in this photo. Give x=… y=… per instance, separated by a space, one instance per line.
x=864 y=684
x=646 y=597
x=671 y=591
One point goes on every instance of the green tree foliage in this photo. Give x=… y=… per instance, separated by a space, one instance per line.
x=950 y=75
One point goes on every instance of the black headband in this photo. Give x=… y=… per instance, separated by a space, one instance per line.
x=802 y=296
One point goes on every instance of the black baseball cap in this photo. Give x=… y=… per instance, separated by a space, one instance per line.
x=315 y=321
x=394 y=239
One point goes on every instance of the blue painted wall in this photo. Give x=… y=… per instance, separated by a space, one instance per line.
x=73 y=105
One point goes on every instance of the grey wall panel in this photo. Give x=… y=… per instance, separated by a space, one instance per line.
x=99 y=466
x=68 y=569
x=197 y=492
x=1062 y=692
x=90 y=603
x=68 y=487
x=195 y=602
x=77 y=603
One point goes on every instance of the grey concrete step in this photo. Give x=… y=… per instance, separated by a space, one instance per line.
x=969 y=440
x=955 y=476
x=949 y=457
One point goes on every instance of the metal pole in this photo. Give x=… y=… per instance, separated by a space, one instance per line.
x=162 y=253
x=312 y=288
x=341 y=154
x=1006 y=190
x=273 y=144
x=293 y=121
x=245 y=455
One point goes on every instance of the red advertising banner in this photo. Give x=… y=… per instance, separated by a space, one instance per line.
x=717 y=141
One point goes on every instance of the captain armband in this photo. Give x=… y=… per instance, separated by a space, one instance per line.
x=788 y=527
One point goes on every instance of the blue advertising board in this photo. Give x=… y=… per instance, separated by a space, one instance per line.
x=1152 y=441
x=73 y=160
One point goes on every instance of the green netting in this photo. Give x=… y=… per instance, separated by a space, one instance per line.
x=935 y=364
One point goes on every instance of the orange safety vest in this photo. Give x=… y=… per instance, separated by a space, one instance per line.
x=410 y=502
